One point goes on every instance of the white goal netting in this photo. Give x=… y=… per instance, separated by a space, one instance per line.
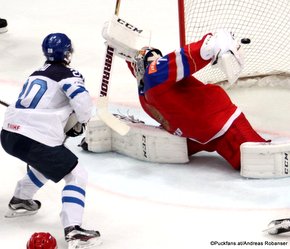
x=263 y=89
x=265 y=22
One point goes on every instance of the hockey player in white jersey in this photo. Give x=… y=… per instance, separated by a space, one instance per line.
x=33 y=131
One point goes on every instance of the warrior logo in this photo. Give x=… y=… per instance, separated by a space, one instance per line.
x=144 y=146
x=286 y=165
x=107 y=71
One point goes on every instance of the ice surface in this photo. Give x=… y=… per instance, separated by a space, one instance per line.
x=136 y=204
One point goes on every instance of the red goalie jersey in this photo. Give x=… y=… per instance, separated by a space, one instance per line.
x=186 y=107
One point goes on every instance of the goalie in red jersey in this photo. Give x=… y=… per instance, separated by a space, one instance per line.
x=194 y=116
x=185 y=106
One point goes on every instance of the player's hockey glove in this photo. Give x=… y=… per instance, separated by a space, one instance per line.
x=77 y=130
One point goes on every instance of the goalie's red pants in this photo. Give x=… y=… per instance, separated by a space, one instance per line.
x=228 y=145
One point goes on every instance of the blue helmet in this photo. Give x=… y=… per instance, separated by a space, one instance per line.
x=57 y=47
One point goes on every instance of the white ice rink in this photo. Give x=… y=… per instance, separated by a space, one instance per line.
x=137 y=205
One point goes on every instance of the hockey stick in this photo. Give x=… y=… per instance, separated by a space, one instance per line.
x=4 y=103
x=102 y=101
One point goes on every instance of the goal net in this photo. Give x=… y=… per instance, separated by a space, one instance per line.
x=265 y=22
x=263 y=88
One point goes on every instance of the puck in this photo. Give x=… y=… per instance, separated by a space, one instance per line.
x=245 y=40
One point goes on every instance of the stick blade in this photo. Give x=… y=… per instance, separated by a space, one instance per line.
x=113 y=122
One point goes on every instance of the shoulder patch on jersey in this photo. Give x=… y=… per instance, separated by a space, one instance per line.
x=152 y=67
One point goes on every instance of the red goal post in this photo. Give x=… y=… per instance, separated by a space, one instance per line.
x=265 y=22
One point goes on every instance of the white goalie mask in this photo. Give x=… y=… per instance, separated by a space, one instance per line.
x=143 y=59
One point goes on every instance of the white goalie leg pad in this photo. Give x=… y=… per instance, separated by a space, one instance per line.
x=265 y=160
x=143 y=142
x=98 y=136
x=149 y=143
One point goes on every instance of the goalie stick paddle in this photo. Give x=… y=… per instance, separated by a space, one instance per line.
x=102 y=101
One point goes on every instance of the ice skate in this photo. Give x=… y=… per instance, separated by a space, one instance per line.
x=19 y=207
x=278 y=226
x=78 y=237
x=3 y=26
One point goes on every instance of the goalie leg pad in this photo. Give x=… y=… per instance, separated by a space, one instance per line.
x=98 y=136
x=143 y=142
x=265 y=160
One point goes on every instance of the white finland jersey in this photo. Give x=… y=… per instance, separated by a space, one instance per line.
x=47 y=99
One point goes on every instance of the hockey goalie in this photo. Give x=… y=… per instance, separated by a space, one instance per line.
x=193 y=116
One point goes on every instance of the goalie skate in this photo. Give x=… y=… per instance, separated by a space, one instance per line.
x=78 y=237
x=278 y=227
x=19 y=207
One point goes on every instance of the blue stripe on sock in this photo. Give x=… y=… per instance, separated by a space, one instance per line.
x=34 y=179
x=73 y=200
x=75 y=188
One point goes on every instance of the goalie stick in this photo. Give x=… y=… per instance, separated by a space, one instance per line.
x=102 y=101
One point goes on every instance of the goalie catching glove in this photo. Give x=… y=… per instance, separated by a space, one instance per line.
x=225 y=52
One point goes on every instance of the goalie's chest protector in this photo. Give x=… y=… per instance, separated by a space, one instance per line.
x=181 y=103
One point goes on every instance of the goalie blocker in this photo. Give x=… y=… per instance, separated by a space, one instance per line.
x=152 y=144
x=125 y=38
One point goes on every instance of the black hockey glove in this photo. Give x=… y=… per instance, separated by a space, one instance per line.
x=77 y=130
